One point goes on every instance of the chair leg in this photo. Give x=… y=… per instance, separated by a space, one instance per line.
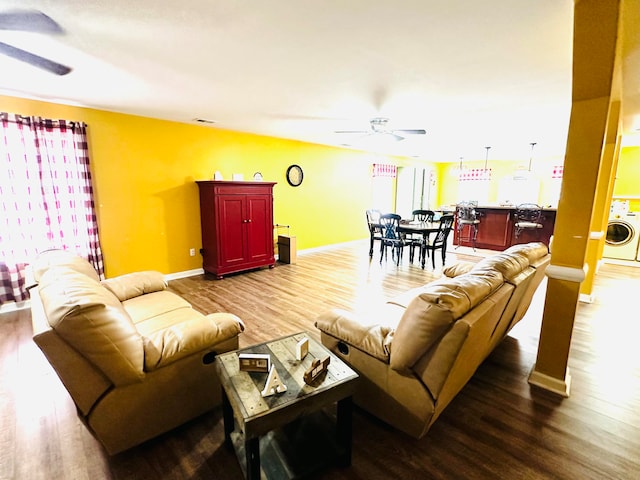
x=475 y=235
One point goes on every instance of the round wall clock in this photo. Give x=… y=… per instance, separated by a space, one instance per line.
x=294 y=175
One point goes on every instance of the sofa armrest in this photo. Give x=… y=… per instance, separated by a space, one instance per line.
x=177 y=341
x=371 y=339
x=135 y=284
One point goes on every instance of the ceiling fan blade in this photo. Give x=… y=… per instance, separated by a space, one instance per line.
x=395 y=136
x=33 y=59
x=353 y=131
x=411 y=132
x=29 y=21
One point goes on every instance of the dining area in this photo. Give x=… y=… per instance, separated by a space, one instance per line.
x=426 y=232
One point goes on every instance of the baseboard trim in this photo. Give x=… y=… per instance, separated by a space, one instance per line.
x=329 y=247
x=552 y=384
x=185 y=274
x=15 y=306
x=584 y=298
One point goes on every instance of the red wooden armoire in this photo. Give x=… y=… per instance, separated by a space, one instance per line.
x=237 y=225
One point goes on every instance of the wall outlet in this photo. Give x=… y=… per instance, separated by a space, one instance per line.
x=192 y=252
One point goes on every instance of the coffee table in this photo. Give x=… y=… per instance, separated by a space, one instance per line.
x=289 y=434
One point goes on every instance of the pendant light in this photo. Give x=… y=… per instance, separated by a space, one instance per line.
x=457 y=172
x=486 y=173
x=533 y=144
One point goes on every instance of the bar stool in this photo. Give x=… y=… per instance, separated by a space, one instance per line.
x=528 y=216
x=466 y=216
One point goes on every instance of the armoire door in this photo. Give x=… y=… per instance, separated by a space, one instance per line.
x=259 y=228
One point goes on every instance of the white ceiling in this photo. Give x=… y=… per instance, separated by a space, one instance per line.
x=471 y=73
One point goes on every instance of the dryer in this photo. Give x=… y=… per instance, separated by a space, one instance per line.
x=623 y=232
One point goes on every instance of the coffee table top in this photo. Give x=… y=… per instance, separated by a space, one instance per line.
x=257 y=415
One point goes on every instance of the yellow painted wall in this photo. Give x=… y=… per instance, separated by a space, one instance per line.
x=144 y=172
x=627 y=182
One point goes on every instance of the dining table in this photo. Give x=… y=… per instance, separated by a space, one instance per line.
x=423 y=228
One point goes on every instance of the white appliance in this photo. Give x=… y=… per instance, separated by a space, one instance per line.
x=623 y=234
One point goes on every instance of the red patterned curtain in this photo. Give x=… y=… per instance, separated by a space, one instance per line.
x=46 y=197
x=474 y=174
x=558 y=171
x=384 y=170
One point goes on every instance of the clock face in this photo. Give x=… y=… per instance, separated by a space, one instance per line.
x=294 y=175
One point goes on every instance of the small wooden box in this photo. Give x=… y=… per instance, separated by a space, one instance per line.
x=287 y=249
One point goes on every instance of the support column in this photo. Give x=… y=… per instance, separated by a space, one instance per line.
x=604 y=188
x=594 y=52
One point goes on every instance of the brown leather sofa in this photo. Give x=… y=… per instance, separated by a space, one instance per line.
x=135 y=357
x=416 y=351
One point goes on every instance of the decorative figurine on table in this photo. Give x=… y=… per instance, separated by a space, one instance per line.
x=254 y=362
x=274 y=384
x=317 y=368
x=302 y=348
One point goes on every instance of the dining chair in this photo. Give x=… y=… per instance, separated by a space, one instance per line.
x=528 y=216
x=440 y=240
x=373 y=223
x=391 y=237
x=416 y=239
x=423 y=215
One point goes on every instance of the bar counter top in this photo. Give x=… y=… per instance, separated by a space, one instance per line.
x=504 y=207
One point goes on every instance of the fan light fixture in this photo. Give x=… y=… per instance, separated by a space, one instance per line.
x=36 y=22
x=380 y=131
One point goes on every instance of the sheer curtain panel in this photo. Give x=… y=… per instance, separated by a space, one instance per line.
x=46 y=197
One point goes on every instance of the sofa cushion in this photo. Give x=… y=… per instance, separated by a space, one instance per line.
x=533 y=251
x=509 y=264
x=459 y=268
x=460 y=294
x=135 y=284
x=423 y=323
x=153 y=311
x=92 y=320
x=430 y=314
x=61 y=258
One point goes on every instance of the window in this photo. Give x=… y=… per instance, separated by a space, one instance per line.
x=46 y=196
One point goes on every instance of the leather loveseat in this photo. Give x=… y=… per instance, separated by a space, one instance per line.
x=416 y=351
x=135 y=357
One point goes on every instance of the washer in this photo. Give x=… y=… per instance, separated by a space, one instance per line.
x=623 y=232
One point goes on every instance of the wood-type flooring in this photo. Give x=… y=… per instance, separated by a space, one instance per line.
x=498 y=426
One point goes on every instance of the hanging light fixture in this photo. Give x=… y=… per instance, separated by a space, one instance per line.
x=533 y=144
x=486 y=172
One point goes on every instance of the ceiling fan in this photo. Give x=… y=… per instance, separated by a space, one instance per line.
x=36 y=22
x=379 y=126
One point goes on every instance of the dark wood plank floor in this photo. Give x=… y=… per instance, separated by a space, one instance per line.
x=497 y=427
